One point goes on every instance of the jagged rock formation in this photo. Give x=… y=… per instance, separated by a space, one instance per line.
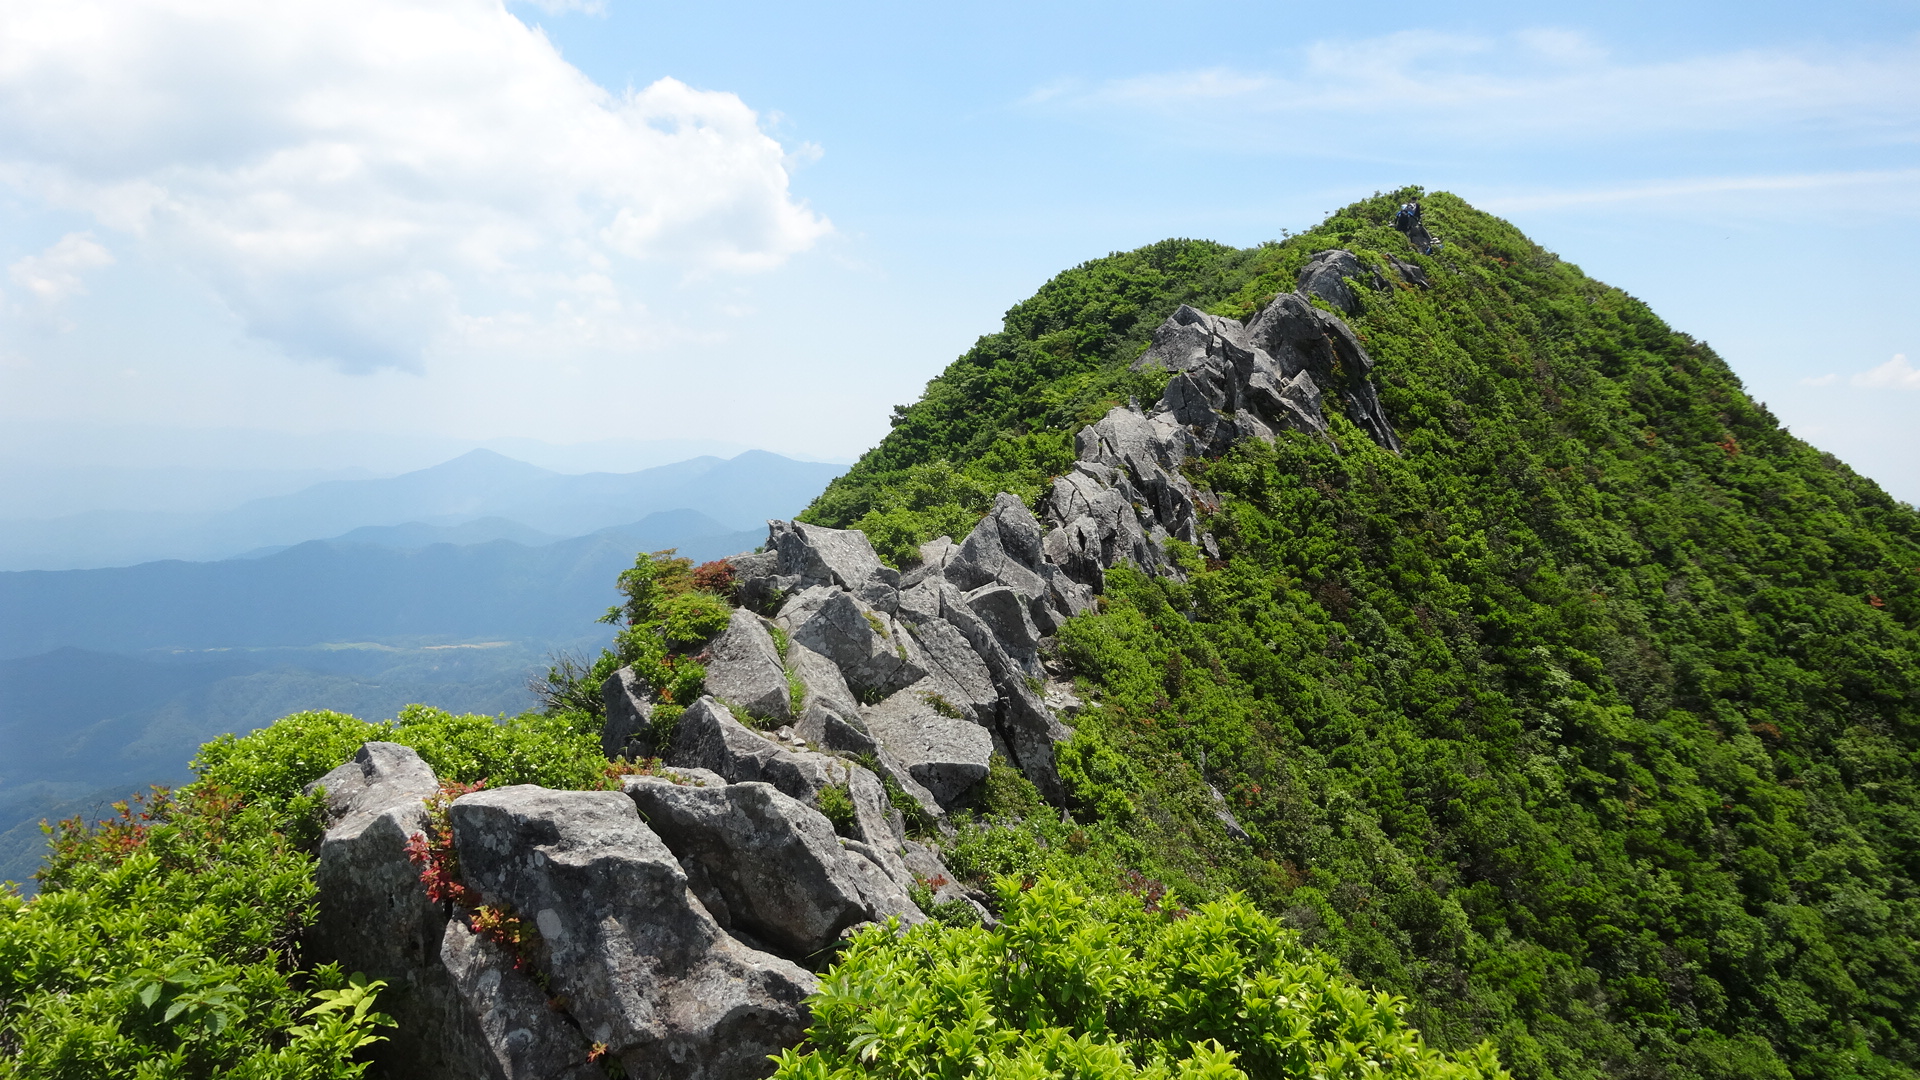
x=670 y=919
x=935 y=670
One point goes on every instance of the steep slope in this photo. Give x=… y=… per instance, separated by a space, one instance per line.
x=1588 y=719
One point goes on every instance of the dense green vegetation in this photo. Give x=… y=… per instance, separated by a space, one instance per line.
x=1107 y=989
x=1589 y=724
x=165 y=943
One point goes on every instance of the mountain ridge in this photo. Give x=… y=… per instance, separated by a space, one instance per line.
x=1563 y=702
x=740 y=492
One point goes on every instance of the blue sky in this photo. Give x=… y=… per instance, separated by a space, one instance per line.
x=366 y=231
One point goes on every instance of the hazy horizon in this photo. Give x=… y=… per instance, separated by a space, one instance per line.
x=758 y=225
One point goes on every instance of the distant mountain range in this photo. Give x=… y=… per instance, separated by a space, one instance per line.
x=739 y=493
x=339 y=591
x=448 y=586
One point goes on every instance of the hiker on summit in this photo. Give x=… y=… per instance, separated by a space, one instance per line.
x=1407 y=218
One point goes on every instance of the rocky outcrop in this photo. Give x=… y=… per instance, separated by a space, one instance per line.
x=629 y=716
x=668 y=941
x=932 y=672
x=639 y=964
x=462 y=1014
x=744 y=670
x=1327 y=276
x=874 y=654
x=767 y=865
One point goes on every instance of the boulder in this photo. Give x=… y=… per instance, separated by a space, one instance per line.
x=627 y=730
x=745 y=671
x=1187 y=338
x=709 y=738
x=1300 y=337
x=1096 y=525
x=1409 y=272
x=873 y=653
x=636 y=960
x=1003 y=548
x=955 y=672
x=1005 y=612
x=810 y=555
x=1006 y=548
x=934 y=556
x=754 y=580
x=518 y=1034
x=381 y=776
x=1326 y=276
x=774 y=862
x=947 y=755
x=1150 y=450
x=826 y=689
x=373 y=914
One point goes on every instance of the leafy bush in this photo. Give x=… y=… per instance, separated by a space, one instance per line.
x=161 y=946
x=163 y=942
x=835 y=803
x=1068 y=986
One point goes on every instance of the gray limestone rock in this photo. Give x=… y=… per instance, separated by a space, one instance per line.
x=1326 y=276
x=374 y=915
x=1187 y=338
x=708 y=737
x=1005 y=612
x=945 y=754
x=1023 y=726
x=627 y=731
x=756 y=584
x=1300 y=337
x=956 y=673
x=811 y=555
x=1096 y=525
x=1225 y=815
x=639 y=963
x=1150 y=450
x=1409 y=272
x=826 y=688
x=926 y=868
x=745 y=671
x=934 y=556
x=873 y=652
x=519 y=1035
x=774 y=861
x=381 y=775
x=1006 y=548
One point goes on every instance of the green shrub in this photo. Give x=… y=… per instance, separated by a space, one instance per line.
x=835 y=803
x=692 y=618
x=1097 y=988
x=161 y=945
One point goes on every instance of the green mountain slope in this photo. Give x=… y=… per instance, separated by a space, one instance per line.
x=1591 y=723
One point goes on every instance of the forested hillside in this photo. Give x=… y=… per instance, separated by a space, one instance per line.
x=1589 y=722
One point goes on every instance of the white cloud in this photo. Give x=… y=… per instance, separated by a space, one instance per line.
x=1895 y=374
x=360 y=180
x=56 y=273
x=1535 y=84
